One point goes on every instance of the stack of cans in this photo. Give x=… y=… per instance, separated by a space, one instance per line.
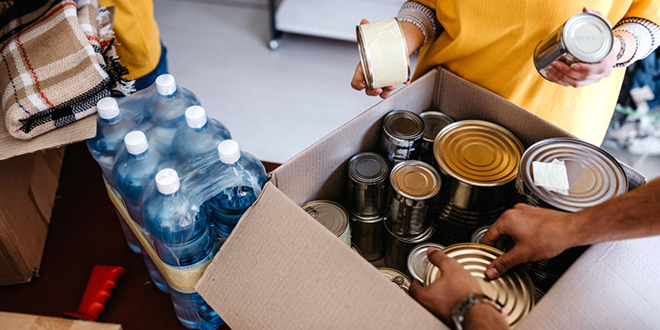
x=479 y=162
x=434 y=122
x=593 y=177
x=402 y=135
x=332 y=216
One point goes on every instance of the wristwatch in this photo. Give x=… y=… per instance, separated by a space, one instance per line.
x=461 y=309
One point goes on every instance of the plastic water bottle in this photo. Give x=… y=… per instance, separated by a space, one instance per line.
x=112 y=125
x=182 y=238
x=241 y=181
x=200 y=135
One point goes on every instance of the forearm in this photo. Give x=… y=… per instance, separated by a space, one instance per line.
x=413 y=35
x=482 y=316
x=419 y=24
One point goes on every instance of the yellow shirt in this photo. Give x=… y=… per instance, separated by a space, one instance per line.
x=491 y=43
x=137 y=35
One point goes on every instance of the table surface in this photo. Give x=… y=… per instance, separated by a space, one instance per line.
x=84 y=231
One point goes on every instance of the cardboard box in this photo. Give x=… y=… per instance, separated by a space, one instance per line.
x=17 y=321
x=29 y=177
x=279 y=270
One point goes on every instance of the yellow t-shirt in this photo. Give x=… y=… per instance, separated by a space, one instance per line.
x=137 y=35
x=491 y=43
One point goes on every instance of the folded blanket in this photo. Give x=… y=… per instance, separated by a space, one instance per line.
x=58 y=60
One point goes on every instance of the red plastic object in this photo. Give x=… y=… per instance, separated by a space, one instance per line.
x=97 y=292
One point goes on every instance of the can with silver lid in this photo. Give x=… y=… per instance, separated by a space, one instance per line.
x=413 y=188
x=367 y=184
x=332 y=216
x=434 y=122
x=478 y=162
x=417 y=260
x=396 y=277
x=479 y=234
x=368 y=234
x=401 y=135
x=584 y=37
x=398 y=248
x=514 y=290
x=383 y=53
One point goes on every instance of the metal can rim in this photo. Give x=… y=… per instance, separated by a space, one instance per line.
x=436 y=188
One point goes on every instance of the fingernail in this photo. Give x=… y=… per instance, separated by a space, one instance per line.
x=361 y=85
x=430 y=250
x=491 y=273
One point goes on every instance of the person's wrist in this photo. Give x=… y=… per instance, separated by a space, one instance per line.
x=465 y=307
x=483 y=314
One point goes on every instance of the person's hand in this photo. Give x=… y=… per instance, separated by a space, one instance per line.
x=453 y=286
x=537 y=234
x=581 y=74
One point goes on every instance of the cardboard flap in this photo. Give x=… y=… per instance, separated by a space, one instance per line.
x=17 y=321
x=280 y=269
x=613 y=285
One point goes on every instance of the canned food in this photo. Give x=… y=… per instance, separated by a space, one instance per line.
x=397 y=248
x=332 y=216
x=402 y=134
x=585 y=37
x=368 y=234
x=396 y=277
x=417 y=260
x=356 y=249
x=434 y=122
x=514 y=290
x=414 y=186
x=478 y=162
x=367 y=184
x=479 y=234
x=383 y=53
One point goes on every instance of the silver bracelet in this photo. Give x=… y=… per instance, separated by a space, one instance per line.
x=623 y=46
x=632 y=59
x=461 y=309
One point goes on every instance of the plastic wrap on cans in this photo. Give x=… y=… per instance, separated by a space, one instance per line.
x=417 y=260
x=434 y=122
x=514 y=290
x=402 y=133
x=368 y=234
x=383 y=53
x=585 y=37
x=367 y=184
x=396 y=277
x=413 y=188
x=397 y=248
x=332 y=216
x=478 y=162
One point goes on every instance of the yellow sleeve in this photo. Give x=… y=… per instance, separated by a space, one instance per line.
x=648 y=9
x=137 y=35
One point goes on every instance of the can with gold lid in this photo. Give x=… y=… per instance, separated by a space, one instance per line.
x=401 y=135
x=398 y=248
x=368 y=174
x=417 y=260
x=396 y=277
x=413 y=188
x=332 y=216
x=478 y=162
x=368 y=234
x=434 y=122
x=514 y=290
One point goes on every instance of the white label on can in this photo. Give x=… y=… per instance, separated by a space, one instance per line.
x=551 y=176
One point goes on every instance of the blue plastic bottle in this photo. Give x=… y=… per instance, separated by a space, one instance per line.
x=112 y=125
x=182 y=238
x=201 y=135
x=241 y=181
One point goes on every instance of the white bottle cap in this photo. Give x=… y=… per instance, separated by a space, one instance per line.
x=165 y=84
x=229 y=151
x=167 y=181
x=107 y=108
x=136 y=142
x=195 y=116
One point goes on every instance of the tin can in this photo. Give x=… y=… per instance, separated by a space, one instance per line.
x=367 y=184
x=514 y=290
x=383 y=53
x=413 y=188
x=368 y=234
x=356 y=249
x=396 y=277
x=479 y=234
x=332 y=216
x=585 y=37
x=398 y=248
x=417 y=260
x=478 y=162
x=401 y=135
x=434 y=122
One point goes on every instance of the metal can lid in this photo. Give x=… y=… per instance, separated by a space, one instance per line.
x=403 y=124
x=478 y=152
x=514 y=290
x=368 y=168
x=415 y=179
x=434 y=122
x=479 y=234
x=366 y=219
x=398 y=278
x=587 y=37
x=417 y=260
x=594 y=176
x=330 y=214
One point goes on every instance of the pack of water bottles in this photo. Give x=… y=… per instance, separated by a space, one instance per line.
x=179 y=183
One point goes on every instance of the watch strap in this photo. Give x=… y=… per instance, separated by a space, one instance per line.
x=461 y=309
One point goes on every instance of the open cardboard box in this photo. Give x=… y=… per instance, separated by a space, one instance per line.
x=18 y=321
x=281 y=270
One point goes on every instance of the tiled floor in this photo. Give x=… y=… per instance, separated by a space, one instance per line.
x=275 y=103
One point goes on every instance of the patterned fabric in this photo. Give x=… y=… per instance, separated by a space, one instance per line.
x=58 y=60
